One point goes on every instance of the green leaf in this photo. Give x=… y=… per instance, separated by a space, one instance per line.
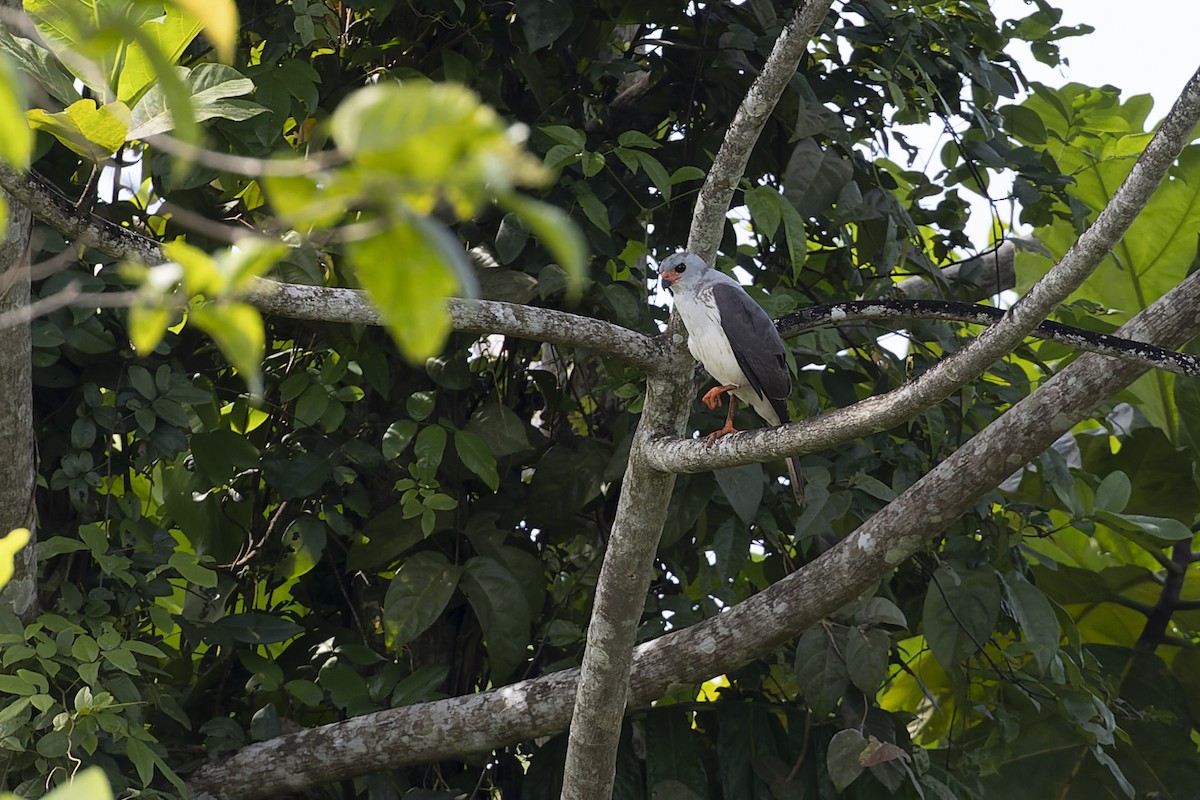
x=1034 y=613
x=814 y=177
x=122 y=660
x=557 y=233
x=419 y=405
x=89 y=784
x=220 y=454
x=1113 y=493
x=867 y=658
x=1163 y=529
x=764 y=209
x=499 y=603
x=57 y=545
x=880 y=611
x=237 y=329
x=187 y=565
x=960 y=613
x=421 y=686
x=94 y=132
x=657 y=173
x=475 y=455
x=543 y=21
x=411 y=293
x=16 y=140
x=220 y=20
x=397 y=437
x=417 y=595
x=33 y=59
x=843 y=759
x=431 y=444
x=500 y=428
x=210 y=85
x=167 y=36
x=820 y=671
x=743 y=488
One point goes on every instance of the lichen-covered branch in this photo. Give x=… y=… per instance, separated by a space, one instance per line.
x=837 y=314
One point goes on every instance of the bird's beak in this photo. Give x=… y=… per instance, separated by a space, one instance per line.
x=668 y=278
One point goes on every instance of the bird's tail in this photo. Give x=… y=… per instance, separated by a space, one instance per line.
x=797 y=479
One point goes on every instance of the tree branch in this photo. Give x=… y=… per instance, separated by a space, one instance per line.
x=951 y=311
x=326 y=304
x=885 y=411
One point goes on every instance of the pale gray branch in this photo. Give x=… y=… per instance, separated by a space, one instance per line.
x=319 y=303
x=729 y=165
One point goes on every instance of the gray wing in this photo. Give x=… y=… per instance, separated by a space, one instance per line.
x=756 y=345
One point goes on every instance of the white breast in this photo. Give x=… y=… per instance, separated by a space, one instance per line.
x=706 y=339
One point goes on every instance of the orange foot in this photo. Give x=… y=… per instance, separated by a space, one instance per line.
x=715 y=396
x=728 y=429
x=712 y=398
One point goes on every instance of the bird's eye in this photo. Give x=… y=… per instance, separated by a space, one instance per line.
x=681 y=268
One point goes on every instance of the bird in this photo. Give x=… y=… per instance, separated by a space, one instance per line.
x=736 y=341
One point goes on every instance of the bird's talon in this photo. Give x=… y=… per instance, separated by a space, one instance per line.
x=712 y=437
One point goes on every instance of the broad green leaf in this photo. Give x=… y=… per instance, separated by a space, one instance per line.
x=1113 y=493
x=420 y=686
x=438 y=133
x=814 y=176
x=1035 y=615
x=674 y=755
x=880 y=611
x=237 y=329
x=867 y=658
x=417 y=595
x=397 y=437
x=147 y=326
x=557 y=233
x=657 y=173
x=89 y=784
x=210 y=86
x=16 y=140
x=187 y=565
x=9 y=545
x=743 y=488
x=431 y=444
x=409 y=276
x=419 y=405
x=764 y=209
x=220 y=20
x=960 y=613
x=90 y=37
x=35 y=60
x=94 y=132
x=475 y=455
x=843 y=758
x=220 y=454
x=169 y=35
x=500 y=605
x=1164 y=529
x=820 y=670
x=500 y=428
x=543 y=21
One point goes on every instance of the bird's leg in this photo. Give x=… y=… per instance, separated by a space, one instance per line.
x=712 y=398
x=712 y=437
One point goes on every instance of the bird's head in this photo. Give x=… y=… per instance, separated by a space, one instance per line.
x=682 y=270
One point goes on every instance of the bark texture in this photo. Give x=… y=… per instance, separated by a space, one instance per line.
x=16 y=414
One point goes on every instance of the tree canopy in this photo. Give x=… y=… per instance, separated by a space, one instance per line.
x=296 y=537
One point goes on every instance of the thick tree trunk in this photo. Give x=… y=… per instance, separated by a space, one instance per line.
x=16 y=413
